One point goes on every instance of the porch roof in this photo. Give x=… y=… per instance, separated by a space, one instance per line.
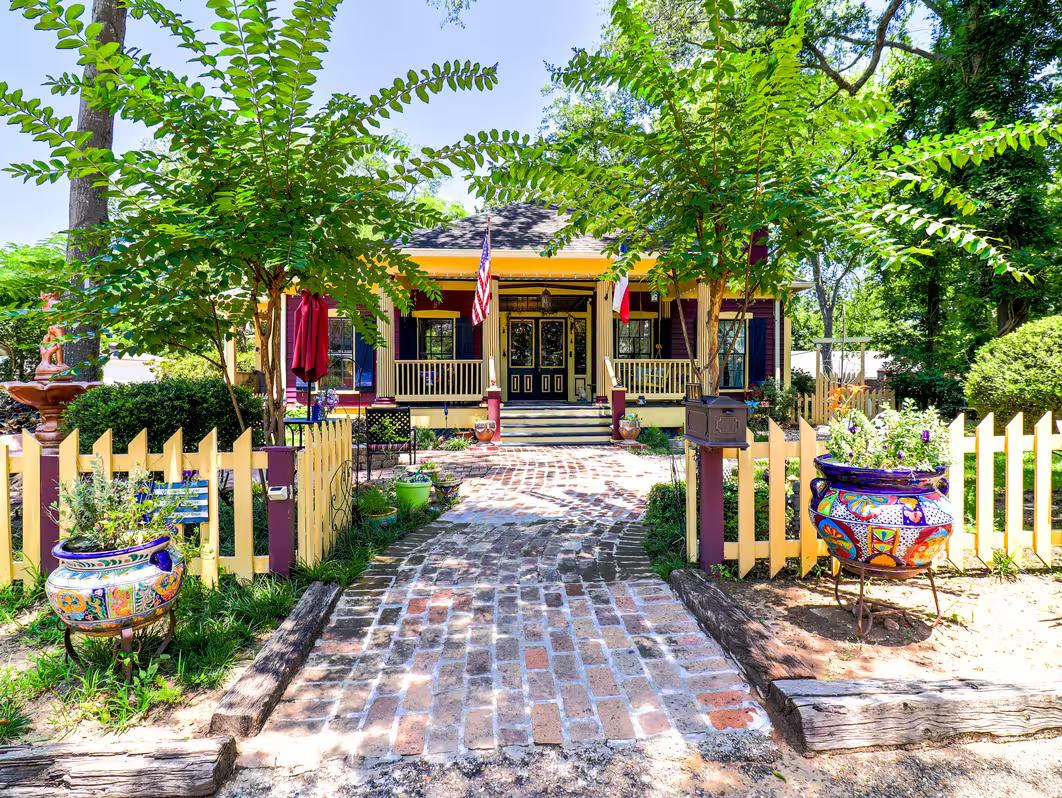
x=520 y=227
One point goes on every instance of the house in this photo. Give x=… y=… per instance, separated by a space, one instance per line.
x=551 y=342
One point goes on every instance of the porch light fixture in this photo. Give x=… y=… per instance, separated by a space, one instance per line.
x=547 y=300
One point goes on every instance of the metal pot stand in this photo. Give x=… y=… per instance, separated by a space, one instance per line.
x=127 y=639
x=865 y=610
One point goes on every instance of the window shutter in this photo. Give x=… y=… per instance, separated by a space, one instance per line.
x=757 y=350
x=365 y=363
x=463 y=335
x=407 y=338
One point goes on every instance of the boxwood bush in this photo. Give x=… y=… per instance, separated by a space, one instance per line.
x=1019 y=372
x=162 y=407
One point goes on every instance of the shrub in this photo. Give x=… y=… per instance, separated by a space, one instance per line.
x=781 y=400
x=656 y=440
x=928 y=388
x=456 y=444
x=162 y=407
x=193 y=367
x=1019 y=373
x=426 y=438
x=802 y=382
x=665 y=517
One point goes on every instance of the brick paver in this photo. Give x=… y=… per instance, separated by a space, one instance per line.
x=470 y=636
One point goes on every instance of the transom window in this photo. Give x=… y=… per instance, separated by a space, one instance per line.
x=634 y=340
x=435 y=339
x=732 y=367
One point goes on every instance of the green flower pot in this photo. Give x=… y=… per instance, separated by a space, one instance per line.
x=412 y=494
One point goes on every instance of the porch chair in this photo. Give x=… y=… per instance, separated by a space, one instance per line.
x=389 y=429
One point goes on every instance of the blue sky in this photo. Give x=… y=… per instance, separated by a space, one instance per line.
x=374 y=41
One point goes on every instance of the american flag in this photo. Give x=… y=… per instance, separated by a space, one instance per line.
x=481 y=304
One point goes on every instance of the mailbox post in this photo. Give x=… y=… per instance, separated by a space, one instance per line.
x=713 y=423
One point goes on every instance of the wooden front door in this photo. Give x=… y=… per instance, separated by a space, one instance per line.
x=538 y=358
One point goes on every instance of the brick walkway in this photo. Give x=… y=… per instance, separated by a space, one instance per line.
x=477 y=636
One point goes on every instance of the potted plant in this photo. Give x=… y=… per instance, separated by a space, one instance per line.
x=882 y=500
x=483 y=428
x=447 y=485
x=123 y=566
x=630 y=426
x=413 y=489
x=375 y=510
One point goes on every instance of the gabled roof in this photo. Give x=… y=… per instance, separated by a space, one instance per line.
x=517 y=227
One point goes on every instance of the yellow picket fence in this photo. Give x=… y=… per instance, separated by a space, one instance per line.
x=816 y=407
x=171 y=463
x=324 y=485
x=992 y=528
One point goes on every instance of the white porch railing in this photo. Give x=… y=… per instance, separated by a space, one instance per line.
x=653 y=379
x=438 y=380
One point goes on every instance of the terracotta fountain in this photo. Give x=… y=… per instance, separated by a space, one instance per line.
x=53 y=389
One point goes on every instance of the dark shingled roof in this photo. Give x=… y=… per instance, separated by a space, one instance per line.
x=518 y=226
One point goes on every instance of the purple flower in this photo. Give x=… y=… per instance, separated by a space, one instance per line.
x=925 y=436
x=853 y=428
x=900 y=455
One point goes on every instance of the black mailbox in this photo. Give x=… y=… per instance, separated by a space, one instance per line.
x=717 y=422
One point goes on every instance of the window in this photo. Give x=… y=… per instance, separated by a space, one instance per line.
x=732 y=368
x=435 y=339
x=634 y=340
x=351 y=361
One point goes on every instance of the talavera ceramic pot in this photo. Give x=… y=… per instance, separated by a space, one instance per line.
x=103 y=592
x=878 y=518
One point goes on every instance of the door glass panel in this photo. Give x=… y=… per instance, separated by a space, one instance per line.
x=551 y=332
x=579 y=342
x=521 y=344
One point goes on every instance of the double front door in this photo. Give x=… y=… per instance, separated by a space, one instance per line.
x=538 y=358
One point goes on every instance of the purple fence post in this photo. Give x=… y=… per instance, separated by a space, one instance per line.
x=282 y=512
x=49 y=496
x=711 y=499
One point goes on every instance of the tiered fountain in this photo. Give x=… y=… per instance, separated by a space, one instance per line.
x=53 y=389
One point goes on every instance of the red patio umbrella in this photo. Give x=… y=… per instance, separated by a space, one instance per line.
x=310 y=361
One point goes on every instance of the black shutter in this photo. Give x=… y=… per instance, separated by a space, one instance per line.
x=463 y=334
x=757 y=351
x=407 y=338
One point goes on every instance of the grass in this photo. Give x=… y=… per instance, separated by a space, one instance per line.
x=18 y=597
x=215 y=629
x=356 y=546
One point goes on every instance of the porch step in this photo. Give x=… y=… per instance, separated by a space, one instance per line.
x=557 y=425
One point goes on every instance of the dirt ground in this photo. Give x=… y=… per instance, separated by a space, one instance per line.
x=990 y=629
x=736 y=767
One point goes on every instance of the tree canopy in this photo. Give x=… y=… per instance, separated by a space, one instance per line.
x=254 y=184
x=733 y=141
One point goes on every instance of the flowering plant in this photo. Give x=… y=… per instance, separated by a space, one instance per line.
x=632 y=416
x=328 y=400
x=904 y=439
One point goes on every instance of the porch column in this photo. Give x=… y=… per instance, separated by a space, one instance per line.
x=492 y=338
x=702 y=331
x=602 y=337
x=385 y=355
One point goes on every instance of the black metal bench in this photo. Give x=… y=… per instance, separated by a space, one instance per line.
x=389 y=429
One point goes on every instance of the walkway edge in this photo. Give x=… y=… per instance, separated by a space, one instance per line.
x=747 y=640
x=244 y=708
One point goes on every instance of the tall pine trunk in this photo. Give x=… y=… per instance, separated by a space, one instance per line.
x=88 y=205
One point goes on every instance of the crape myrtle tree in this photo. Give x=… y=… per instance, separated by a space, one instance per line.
x=736 y=138
x=253 y=186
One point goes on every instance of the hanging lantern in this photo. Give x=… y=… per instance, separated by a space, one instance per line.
x=547 y=300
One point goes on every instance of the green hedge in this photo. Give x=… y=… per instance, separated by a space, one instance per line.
x=162 y=407
x=1019 y=372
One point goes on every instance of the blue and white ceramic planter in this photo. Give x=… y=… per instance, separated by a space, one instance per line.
x=879 y=518
x=103 y=592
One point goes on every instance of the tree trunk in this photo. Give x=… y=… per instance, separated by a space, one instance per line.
x=826 y=306
x=88 y=205
x=267 y=339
